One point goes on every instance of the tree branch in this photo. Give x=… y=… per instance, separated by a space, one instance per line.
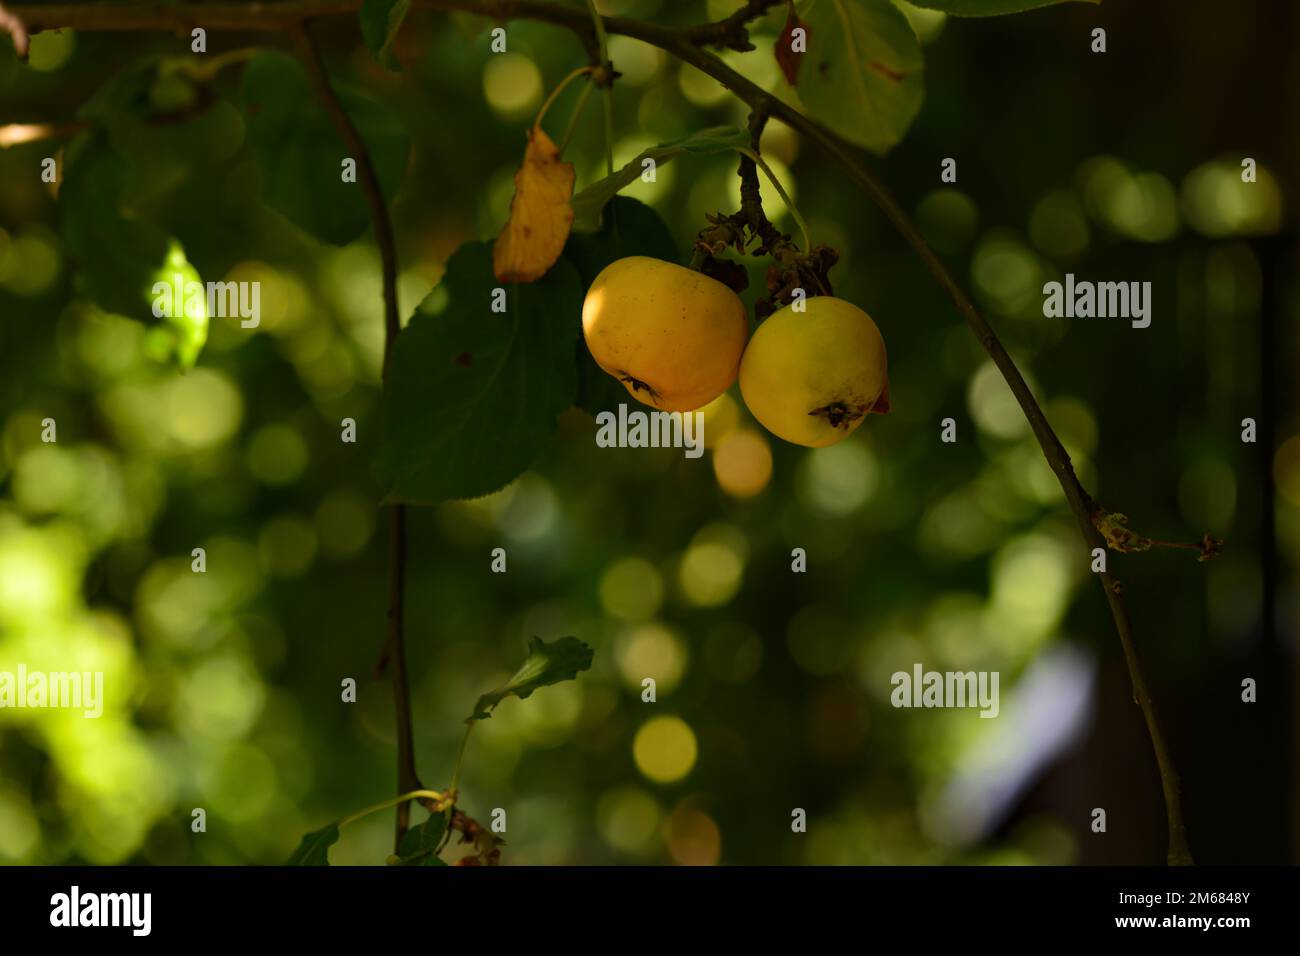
x=686 y=46
x=731 y=32
x=1080 y=502
x=751 y=201
x=395 y=646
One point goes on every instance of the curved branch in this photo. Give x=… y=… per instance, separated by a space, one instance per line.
x=686 y=46
x=1080 y=502
x=732 y=32
x=395 y=645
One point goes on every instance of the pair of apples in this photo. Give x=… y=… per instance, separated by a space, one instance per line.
x=676 y=339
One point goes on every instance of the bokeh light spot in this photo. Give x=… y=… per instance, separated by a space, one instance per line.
x=628 y=819
x=631 y=589
x=276 y=454
x=287 y=546
x=1217 y=203
x=712 y=567
x=651 y=650
x=742 y=463
x=693 y=838
x=664 y=749
x=838 y=480
x=345 y=521
x=512 y=84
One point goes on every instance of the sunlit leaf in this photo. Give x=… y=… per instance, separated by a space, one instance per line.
x=179 y=298
x=546 y=664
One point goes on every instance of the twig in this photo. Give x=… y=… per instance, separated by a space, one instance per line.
x=758 y=160
x=395 y=646
x=751 y=201
x=16 y=134
x=732 y=32
x=11 y=24
x=686 y=46
x=1120 y=537
x=604 y=78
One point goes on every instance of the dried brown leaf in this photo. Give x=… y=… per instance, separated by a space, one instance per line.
x=540 y=213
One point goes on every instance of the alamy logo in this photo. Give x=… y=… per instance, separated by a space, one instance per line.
x=924 y=688
x=241 y=300
x=134 y=910
x=640 y=429
x=1102 y=300
x=82 y=690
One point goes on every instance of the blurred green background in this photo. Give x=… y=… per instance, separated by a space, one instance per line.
x=223 y=688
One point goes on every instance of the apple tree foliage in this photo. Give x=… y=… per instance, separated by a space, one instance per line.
x=171 y=169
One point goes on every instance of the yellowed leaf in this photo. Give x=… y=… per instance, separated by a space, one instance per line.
x=540 y=214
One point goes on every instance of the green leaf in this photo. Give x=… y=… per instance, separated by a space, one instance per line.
x=380 y=21
x=546 y=664
x=474 y=394
x=989 y=8
x=630 y=228
x=127 y=263
x=314 y=848
x=420 y=843
x=863 y=75
x=588 y=203
x=301 y=154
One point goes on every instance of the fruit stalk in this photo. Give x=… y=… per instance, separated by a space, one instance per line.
x=606 y=78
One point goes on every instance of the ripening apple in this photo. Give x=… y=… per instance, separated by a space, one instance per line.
x=811 y=377
x=671 y=335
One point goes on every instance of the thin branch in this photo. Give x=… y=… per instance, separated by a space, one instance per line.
x=731 y=32
x=395 y=646
x=1081 y=504
x=11 y=24
x=155 y=15
x=604 y=78
x=686 y=46
x=1120 y=537
x=15 y=134
x=280 y=17
x=751 y=200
